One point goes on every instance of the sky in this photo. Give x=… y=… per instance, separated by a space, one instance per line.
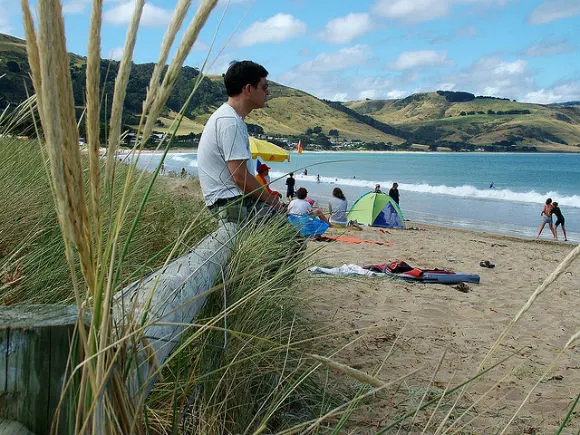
x=344 y=50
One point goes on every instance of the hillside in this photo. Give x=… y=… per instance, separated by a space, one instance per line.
x=437 y=120
x=288 y=112
x=436 y=117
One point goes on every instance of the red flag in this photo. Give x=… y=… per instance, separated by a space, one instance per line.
x=299 y=147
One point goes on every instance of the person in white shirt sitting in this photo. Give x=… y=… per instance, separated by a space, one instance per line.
x=300 y=206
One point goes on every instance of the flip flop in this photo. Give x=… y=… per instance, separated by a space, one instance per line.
x=486 y=263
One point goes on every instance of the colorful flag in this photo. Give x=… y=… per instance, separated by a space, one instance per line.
x=299 y=147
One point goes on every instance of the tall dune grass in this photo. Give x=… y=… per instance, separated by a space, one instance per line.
x=246 y=365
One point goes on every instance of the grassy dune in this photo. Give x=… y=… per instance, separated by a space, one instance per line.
x=545 y=127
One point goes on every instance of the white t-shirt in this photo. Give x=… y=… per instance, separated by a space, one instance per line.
x=299 y=207
x=224 y=138
x=337 y=209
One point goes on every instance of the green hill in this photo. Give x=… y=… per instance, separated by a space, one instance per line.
x=438 y=120
x=436 y=117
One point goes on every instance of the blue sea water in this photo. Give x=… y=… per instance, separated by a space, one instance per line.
x=450 y=189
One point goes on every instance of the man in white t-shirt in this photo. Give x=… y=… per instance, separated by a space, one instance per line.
x=229 y=188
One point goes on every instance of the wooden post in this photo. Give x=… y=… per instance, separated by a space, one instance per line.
x=34 y=347
x=35 y=340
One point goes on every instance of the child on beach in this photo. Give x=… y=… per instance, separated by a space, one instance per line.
x=301 y=206
x=547 y=218
x=559 y=220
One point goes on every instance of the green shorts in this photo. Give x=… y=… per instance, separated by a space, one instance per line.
x=240 y=209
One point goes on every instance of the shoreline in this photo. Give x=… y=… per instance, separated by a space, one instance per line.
x=294 y=153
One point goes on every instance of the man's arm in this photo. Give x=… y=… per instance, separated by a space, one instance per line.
x=249 y=185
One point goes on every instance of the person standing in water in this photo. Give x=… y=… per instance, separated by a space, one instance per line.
x=290 y=183
x=547 y=218
x=394 y=192
x=559 y=220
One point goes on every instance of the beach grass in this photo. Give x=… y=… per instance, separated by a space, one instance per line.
x=248 y=363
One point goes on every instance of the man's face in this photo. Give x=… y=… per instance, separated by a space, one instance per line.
x=259 y=94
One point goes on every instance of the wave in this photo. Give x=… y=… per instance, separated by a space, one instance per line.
x=465 y=191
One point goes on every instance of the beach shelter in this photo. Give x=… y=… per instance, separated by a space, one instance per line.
x=267 y=151
x=377 y=210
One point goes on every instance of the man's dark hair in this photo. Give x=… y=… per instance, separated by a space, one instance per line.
x=241 y=73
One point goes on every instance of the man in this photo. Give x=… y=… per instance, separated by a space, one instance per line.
x=394 y=192
x=230 y=190
x=290 y=182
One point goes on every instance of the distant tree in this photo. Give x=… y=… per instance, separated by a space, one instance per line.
x=309 y=132
x=462 y=114
x=255 y=129
x=317 y=129
x=490 y=112
x=12 y=66
x=333 y=132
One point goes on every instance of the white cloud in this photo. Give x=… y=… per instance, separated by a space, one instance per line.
x=344 y=58
x=75 y=6
x=558 y=94
x=345 y=29
x=421 y=58
x=8 y=8
x=339 y=85
x=466 y=32
x=554 y=10
x=493 y=76
x=152 y=16
x=549 y=47
x=278 y=28
x=341 y=96
x=415 y=11
x=115 y=53
x=396 y=94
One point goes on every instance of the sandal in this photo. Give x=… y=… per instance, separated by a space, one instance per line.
x=486 y=263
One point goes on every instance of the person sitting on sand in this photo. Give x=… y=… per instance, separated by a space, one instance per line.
x=300 y=206
x=559 y=220
x=264 y=179
x=337 y=206
x=378 y=188
x=547 y=218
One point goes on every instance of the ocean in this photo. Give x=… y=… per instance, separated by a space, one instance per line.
x=449 y=189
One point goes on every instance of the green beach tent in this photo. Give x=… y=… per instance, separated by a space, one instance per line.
x=377 y=210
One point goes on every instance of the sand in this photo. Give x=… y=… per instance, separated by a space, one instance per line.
x=416 y=325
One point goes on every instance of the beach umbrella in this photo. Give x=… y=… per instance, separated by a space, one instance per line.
x=268 y=151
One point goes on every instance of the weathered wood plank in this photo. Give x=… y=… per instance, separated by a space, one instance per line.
x=33 y=366
x=35 y=340
x=173 y=296
x=8 y=427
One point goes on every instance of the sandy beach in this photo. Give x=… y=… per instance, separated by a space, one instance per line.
x=408 y=326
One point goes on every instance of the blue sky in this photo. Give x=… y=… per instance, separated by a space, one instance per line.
x=527 y=50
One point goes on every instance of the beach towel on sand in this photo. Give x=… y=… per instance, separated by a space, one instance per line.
x=400 y=269
x=346 y=239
